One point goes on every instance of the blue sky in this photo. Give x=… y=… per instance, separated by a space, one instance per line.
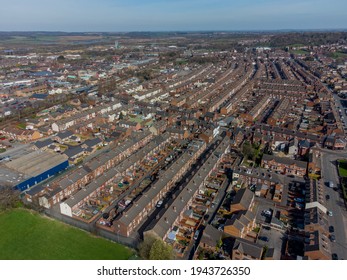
x=170 y=15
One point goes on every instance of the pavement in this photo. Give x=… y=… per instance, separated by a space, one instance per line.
x=335 y=203
x=275 y=241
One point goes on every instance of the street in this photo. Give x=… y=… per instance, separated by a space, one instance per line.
x=335 y=203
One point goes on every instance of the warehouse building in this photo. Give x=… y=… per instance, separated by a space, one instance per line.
x=35 y=167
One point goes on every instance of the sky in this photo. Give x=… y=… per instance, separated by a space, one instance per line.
x=171 y=15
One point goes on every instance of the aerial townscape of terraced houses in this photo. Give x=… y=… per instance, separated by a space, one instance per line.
x=220 y=145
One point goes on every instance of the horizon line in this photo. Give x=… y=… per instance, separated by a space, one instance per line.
x=188 y=31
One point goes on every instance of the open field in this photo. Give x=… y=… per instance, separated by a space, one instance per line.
x=78 y=38
x=26 y=235
x=337 y=55
x=299 y=52
x=46 y=39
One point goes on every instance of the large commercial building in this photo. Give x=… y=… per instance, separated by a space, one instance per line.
x=32 y=169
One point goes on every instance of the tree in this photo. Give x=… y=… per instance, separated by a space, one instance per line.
x=160 y=251
x=145 y=246
x=248 y=151
x=60 y=58
x=153 y=248
x=9 y=198
x=219 y=244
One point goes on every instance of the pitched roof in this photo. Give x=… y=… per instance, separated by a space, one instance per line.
x=211 y=236
x=243 y=197
x=285 y=161
x=248 y=248
x=64 y=134
x=92 y=142
x=44 y=143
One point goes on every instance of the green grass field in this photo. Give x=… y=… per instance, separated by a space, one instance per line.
x=343 y=168
x=299 y=52
x=25 y=235
x=337 y=55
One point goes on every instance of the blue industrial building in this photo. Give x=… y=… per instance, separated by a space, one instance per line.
x=33 y=168
x=43 y=176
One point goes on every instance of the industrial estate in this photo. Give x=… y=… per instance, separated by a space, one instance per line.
x=217 y=145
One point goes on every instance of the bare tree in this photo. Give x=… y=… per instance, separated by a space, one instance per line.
x=9 y=198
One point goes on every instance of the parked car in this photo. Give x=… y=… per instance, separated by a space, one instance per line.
x=334 y=257
x=331 y=229
x=330 y=213
x=263 y=238
x=298 y=199
x=196 y=235
x=332 y=238
x=327 y=197
x=266 y=213
x=159 y=203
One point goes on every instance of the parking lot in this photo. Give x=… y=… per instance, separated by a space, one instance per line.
x=275 y=240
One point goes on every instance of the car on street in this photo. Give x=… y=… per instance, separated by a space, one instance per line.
x=221 y=227
x=266 y=213
x=334 y=256
x=327 y=197
x=298 y=199
x=332 y=238
x=196 y=235
x=159 y=203
x=330 y=213
x=263 y=238
x=331 y=229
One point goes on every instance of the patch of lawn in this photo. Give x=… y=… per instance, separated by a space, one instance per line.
x=343 y=168
x=21 y=125
x=27 y=235
x=337 y=55
x=299 y=51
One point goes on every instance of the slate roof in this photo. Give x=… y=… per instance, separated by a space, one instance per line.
x=285 y=161
x=248 y=248
x=43 y=143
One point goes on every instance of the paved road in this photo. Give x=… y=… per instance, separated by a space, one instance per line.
x=175 y=192
x=335 y=204
x=334 y=106
x=341 y=115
